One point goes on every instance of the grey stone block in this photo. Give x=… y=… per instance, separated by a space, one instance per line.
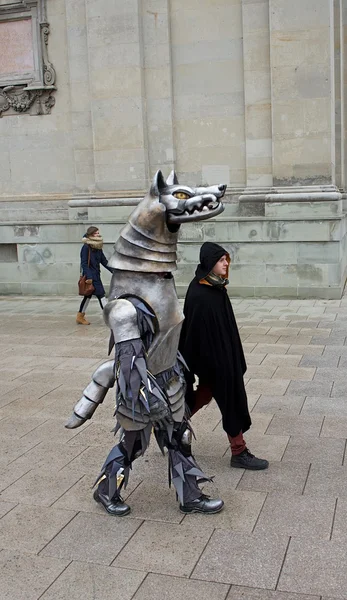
x=92 y=538
x=247 y=593
x=327 y=480
x=256 y=560
x=310 y=388
x=165 y=548
x=314 y=568
x=290 y=405
x=325 y=406
x=89 y=581
x=335 y=427
x=240 y=512
x=29 y=528
x=26 y=577
x=295 y=425
x=297 y=516
x=319 y=361
x=279 y=477
x=306 y=450
x=39 y=487
x=157 y=587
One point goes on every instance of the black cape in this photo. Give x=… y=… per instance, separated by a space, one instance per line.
x=211 y=345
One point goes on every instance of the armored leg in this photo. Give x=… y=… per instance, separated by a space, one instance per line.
x=115 y=473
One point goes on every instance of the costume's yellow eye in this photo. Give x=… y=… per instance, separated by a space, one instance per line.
x=181 y=195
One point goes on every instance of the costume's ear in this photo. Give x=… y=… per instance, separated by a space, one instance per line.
x=172 y=179
x=158 y=185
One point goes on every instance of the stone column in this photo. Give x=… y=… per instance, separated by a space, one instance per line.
x=256 y=51
x=82 y=134
x=158 y=84
x=301 y=91
x=117 y=94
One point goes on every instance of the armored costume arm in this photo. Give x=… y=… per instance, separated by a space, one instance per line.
x=93 y=395
x=139 y=398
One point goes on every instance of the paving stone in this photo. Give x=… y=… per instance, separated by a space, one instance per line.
x=154 y=503
x=48 y=455
x=315 y=568
x=39 y=487
x=26 y=577
x=339 y=389
x=246 y=593
x=309 y=388
x=262 y=339
x=312 y=350
x=334 y=427
x=157 y=587
x=306 y=450
x=240 y=512
x=92 y=538
x=165 y=548
x=339 y=533
x=270 y=447
x=294 y=373
x=319 y=361
x=29 y=528
x=296 y=516
x=282 y=360
x=277 y=387
x=279 y=477
x=325 y=406
x=299 y=340
x=270 y=348
x=94 y=582
x=330 y=374
x=261 y=371
x=256 y=560
x=295 y=425
x=6 y=507
x=327 y=480
x=254 y=359
x=290 y=405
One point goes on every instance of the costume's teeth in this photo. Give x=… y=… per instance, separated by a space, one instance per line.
x=186 y=212
x=205 y=209
x=196 y=212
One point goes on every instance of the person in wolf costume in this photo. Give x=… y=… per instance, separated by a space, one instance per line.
x=145 y=319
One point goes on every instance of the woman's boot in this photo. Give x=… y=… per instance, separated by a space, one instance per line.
x=80 y=320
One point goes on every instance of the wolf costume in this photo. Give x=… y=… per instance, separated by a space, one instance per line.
x=145 y=319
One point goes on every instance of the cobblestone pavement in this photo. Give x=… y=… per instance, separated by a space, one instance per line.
x=283 y=532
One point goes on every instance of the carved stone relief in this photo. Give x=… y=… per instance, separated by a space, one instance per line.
x=27 y=77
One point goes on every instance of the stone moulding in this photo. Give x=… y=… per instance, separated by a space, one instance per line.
x=30 y=92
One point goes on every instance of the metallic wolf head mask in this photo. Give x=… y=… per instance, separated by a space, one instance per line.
x=148 y=241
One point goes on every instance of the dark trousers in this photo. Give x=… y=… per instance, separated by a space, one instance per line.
x=202 y=397
x=85 y=302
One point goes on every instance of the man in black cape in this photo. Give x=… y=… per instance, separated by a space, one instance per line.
x=211 y=346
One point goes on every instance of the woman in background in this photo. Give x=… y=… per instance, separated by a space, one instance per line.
x=91 y=258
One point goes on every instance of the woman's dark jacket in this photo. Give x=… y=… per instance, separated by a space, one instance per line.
x=97 y=257
x=211 y=345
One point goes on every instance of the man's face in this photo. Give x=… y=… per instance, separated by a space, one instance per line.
x=221 y=267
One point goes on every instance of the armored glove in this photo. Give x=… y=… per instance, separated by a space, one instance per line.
x=159 y=412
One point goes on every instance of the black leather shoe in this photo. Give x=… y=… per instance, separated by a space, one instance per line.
x=115 y=507
x=202 y=505
x=246 y=460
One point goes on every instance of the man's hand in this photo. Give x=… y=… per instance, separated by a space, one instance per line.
x=89 y=281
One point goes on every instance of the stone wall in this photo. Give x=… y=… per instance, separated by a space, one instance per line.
x=245 y=92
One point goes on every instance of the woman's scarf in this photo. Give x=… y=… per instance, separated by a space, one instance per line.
x=96 y=242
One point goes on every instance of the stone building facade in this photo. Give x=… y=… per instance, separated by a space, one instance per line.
x=96 y=95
